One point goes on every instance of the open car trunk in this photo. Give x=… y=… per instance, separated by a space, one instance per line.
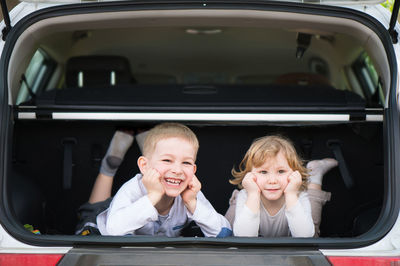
x=353 y=209
x=232 y=72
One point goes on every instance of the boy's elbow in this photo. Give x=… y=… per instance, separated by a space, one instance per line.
x=111 y=229
x=225 y=232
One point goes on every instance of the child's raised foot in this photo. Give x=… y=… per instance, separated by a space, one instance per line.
x=119 y=145
x=318 y=168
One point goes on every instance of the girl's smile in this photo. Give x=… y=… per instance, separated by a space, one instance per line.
x=272 y=177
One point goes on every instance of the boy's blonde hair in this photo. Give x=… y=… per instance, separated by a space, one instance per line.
x=264 y=148
x=168 y=130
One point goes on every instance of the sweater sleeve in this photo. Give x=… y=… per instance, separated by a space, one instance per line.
x=129 y=210
x=211 y=223
x=300 y=219
x=246 y=223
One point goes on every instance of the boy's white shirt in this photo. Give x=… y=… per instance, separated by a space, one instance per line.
x=131 y=212
x=295 y=222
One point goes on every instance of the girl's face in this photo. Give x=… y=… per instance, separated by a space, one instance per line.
x=272 y=177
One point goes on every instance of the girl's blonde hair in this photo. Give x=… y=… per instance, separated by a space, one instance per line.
x=264 y=148
x=168 y=130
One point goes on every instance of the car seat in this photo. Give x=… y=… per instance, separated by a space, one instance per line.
x=98 y=70
x=302 y=79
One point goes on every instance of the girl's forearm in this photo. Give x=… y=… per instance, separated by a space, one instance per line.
x=253 y=202
x=291 y=200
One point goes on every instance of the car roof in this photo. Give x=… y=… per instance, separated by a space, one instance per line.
x=323 y=2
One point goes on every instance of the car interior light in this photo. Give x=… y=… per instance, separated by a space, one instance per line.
x=203 y=31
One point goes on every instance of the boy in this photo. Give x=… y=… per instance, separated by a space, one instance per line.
x=166 y=196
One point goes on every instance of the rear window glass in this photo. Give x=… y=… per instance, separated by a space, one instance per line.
x=215 y=67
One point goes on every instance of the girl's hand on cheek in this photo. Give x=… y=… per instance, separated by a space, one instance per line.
x=292 y=188
x=189 y=195
x=249 y=183
x=294 y=183
x=152 y=182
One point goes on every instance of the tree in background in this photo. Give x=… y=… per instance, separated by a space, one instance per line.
x=389 y=4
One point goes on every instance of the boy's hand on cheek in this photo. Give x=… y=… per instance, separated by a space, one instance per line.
x=189 y=195
x=249 y=183
x=152 y=181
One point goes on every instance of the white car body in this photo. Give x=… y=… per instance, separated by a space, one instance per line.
x=387 y=247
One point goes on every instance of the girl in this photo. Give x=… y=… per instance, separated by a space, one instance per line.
x=273 y=202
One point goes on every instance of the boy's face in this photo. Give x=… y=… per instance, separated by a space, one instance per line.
x=272 y=176
x=174 y=159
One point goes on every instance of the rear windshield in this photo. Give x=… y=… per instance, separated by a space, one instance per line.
x=197 y=66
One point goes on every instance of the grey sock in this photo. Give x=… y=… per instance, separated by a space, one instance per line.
x=140 y=137
x=119 y=145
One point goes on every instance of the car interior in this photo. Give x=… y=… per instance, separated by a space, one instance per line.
x=191 y=61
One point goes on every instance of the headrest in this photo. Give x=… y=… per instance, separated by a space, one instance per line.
x=98 y=70
x=302 y=79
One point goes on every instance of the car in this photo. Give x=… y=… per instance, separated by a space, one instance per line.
x=322 y=73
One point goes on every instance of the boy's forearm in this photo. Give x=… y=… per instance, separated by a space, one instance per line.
x=191 y=206
x=211 y=223
x=127 y=219
x=154 y=198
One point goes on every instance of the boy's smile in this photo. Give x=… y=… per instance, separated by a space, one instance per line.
x=174 y=159
x=173 y=181
x=173 y=184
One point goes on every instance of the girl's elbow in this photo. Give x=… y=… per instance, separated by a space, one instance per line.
x=312 y=233
x=237 y=232
x=308 y=233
